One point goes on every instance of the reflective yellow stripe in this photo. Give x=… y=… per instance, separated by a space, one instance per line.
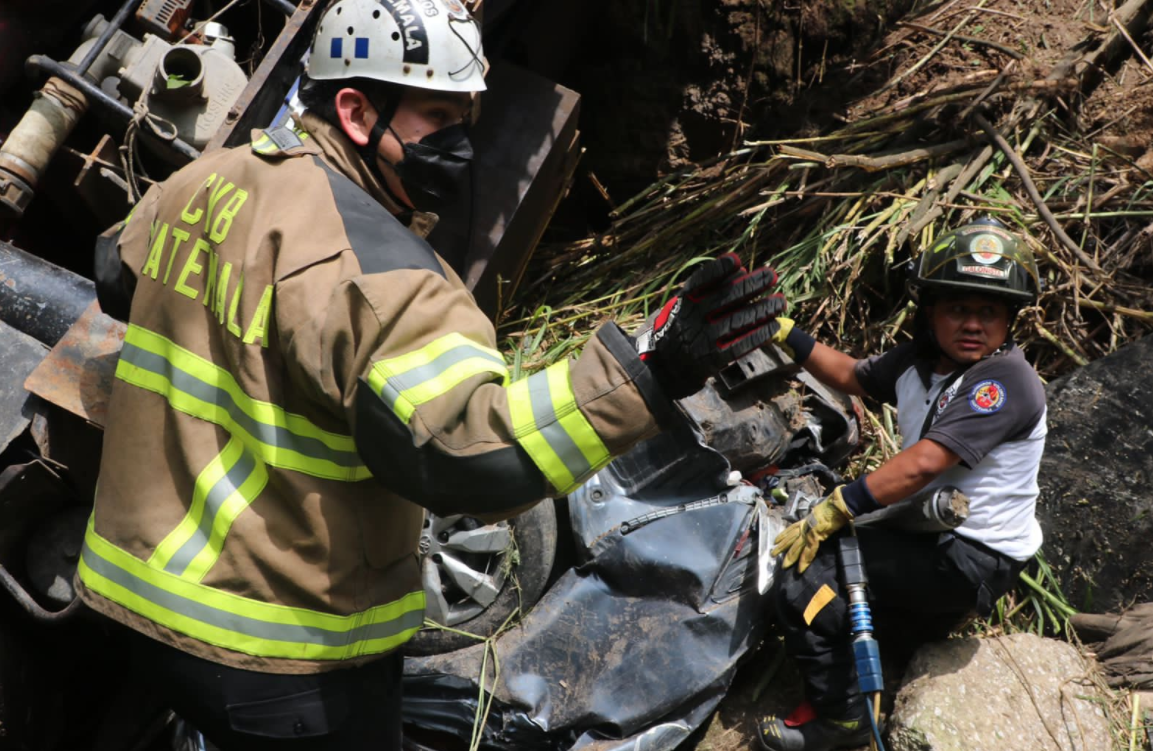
x=530 y=439
x=212 y=475
x=264 y=144
x=227 y=486
x=197 y=387
x=823 y=597
x=550 y=427
x=239 y=623
x=412 y=379
x=236 y=502
x=573 y=420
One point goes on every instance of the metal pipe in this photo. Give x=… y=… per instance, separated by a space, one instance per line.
x=25 y=155
x=40 y=298
x=32 y=607
x=102 y=40
x=40 y=63
x=283 y=6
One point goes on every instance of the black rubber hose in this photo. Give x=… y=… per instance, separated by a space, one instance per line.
x=32 y=607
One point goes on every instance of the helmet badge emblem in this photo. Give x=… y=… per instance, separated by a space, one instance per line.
x=986 y=249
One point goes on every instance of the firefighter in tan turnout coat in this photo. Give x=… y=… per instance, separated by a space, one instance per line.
x=302 y=373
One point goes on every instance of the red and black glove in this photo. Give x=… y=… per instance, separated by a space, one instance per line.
x=720 y=315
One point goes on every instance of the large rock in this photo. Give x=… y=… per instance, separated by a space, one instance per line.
x=1096 y=504
x=1012 y=693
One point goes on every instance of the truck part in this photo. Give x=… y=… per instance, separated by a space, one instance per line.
x=40 y=298
x=51 y=557
x=34 y=608
x=636 y=523
x=20 y=354
x=53 y=553
x=475 y=576
x=30 y=495
x=77 y=374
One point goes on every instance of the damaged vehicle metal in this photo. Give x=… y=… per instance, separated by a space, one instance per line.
x=669 y=557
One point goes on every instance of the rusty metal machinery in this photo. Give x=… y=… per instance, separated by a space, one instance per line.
x=176 y=95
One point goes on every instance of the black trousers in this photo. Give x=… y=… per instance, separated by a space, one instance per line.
x=920 y=587
x=353 y=709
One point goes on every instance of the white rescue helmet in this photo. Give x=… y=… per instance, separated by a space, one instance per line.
x=428 y=44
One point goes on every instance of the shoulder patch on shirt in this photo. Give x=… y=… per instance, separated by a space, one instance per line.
x=987 y=397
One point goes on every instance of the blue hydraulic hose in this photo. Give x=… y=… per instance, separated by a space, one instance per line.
x=866 y=653
x=876 y=732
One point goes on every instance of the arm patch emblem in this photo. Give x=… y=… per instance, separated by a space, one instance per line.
x=988 y=397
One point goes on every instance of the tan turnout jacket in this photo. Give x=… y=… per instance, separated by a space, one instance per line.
x=300 y=372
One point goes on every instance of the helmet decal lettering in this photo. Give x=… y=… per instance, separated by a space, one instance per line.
x=990 y=271
x=411 y=28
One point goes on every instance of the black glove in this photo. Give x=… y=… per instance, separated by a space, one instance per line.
x=719 y=316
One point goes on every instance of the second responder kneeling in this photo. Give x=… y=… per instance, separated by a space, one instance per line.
x=971 y=412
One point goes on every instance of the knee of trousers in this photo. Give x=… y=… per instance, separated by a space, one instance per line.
x=812 y=601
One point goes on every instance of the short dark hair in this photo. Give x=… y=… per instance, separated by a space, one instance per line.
x=319 y=97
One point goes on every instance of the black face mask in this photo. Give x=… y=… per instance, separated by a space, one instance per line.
x=433 y=169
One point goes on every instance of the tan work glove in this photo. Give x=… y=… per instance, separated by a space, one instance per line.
x=801 y=539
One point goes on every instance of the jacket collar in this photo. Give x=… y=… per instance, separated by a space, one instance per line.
x=926 y=366
x=312 y=134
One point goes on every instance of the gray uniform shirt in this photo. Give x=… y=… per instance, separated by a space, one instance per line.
x=993 y=417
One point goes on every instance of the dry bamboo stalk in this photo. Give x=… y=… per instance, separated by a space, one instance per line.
x=971 y=40
x=1052 y=339
x=1144 y=315
x=1030 y=188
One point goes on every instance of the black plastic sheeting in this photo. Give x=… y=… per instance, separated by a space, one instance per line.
x=633 y=648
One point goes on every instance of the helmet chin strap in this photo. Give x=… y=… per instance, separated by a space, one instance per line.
x=370 y=152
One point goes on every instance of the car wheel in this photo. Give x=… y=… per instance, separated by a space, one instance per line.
x=475 y=575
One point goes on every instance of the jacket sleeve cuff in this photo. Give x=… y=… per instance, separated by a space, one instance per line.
x=801 y=343
x=858 y=498
x=620 y=346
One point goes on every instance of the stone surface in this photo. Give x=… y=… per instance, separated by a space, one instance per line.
x=1096 y=505
x=1012 y=693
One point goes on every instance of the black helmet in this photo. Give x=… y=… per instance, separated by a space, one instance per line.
x=982 y=257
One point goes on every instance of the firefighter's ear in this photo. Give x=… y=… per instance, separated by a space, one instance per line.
x=356 y=115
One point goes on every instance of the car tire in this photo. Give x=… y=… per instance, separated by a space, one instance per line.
x=535 y=533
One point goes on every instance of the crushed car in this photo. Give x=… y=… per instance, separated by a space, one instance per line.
x=667 y=556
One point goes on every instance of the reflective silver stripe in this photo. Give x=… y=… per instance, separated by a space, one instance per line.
x=546 y=419
x=272 y=435
x=251 y=627
x=401 y=382
x=224 y=487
